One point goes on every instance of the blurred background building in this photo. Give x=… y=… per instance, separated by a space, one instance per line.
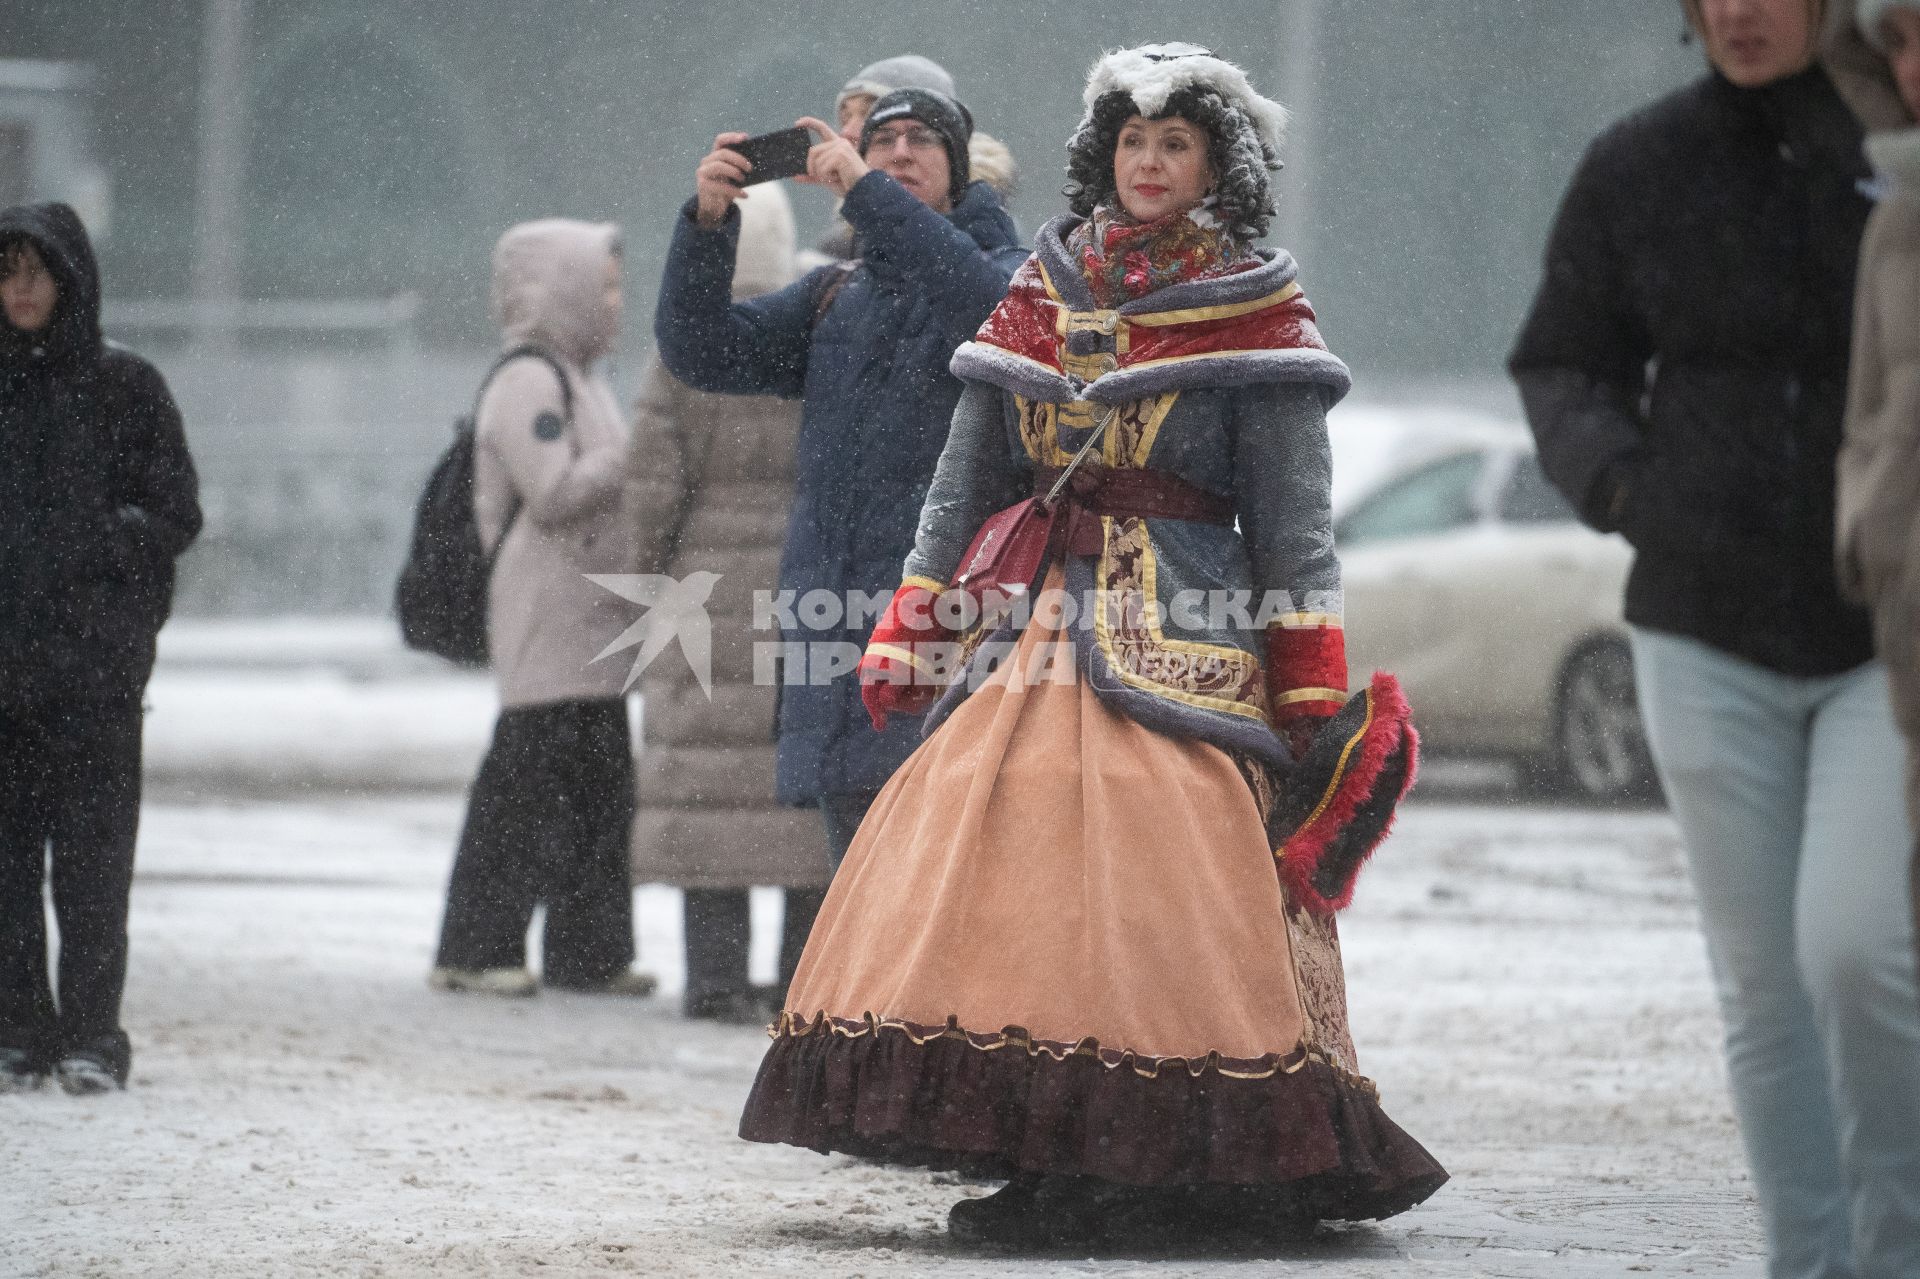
x=295 y=201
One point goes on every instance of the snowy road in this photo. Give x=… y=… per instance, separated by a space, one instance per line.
x=1527 y=985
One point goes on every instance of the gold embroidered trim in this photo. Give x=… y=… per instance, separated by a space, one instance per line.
x=1103 y=636
x=1310 y=621
x=1225 y=311
x=1102 y=322
x=1135 y=429
x=1310 y=695
x=1340 y=769
x=924 y=583
x=793 y=1026
x=1046 y=281
x=899 y=654
x=1106 y=323
x=1040 y=429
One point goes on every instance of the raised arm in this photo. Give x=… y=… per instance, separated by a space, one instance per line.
x=960 y=280
x=711 y=342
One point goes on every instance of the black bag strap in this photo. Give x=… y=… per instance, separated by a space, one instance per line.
x=519 y=352
x=566 y=410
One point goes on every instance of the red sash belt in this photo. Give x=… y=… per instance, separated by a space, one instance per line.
x=1097 y=490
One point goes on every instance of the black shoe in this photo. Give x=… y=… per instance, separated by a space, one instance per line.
x=1036 y=1212
x=733 y=1007
x=18 y=1071
x=84 y=1075
x=1215 y=1217
x=632 y=983
x=1041 y=1211
x=1003 y=1217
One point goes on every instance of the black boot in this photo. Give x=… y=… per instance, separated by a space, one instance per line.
x=750 y=1007
x=1047 y=1211
x=1003 y=1217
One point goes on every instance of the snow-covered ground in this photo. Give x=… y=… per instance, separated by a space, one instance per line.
x=1528 y=989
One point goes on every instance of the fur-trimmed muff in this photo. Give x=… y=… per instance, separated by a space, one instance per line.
x=1244 y=129
x=1340 y=801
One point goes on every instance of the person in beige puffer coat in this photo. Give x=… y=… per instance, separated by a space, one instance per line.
x=714 y=475
x=548 y=815
x=1874 y=57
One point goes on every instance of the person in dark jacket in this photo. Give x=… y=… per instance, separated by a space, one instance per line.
x=866 y=348
x=1684 y=369
x=97 y=498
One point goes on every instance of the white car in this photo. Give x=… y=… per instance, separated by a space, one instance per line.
x=1468 y=576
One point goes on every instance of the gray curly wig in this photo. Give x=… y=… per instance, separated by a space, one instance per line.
x=1240 y=160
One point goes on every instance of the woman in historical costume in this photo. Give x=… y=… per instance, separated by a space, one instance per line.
x=1060 y=948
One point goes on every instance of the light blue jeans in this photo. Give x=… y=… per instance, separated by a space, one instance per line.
x=1789 y=795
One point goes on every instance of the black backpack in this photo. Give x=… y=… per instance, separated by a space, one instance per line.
x=441 y=598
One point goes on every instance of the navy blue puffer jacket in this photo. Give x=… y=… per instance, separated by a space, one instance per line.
x=872 y=370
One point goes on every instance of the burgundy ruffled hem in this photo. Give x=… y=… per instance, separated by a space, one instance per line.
x=939 y=1101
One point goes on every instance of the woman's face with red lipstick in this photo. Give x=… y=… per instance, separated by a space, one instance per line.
x=1160 y=166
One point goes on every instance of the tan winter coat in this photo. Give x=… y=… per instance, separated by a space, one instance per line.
x=714 y=475
x=1878 y=534
x=565 y=475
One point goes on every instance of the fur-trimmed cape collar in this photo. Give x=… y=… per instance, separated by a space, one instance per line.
x=1231 y=330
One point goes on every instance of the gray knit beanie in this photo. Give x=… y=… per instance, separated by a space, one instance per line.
x=1871 y=13
x=908 y=71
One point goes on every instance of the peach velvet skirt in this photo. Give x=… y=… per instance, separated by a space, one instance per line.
x=1059 y=942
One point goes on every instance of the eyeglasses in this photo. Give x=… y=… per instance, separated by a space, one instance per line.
x=919 y=138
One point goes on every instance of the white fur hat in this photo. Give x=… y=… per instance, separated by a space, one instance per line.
x=1152 y=73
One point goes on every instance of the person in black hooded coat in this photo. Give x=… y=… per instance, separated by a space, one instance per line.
x=97 y=498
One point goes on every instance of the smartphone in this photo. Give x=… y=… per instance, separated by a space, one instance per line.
x=780 y=154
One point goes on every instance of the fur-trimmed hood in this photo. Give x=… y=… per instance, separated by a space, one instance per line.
x=549 y=287
x=1859 y=71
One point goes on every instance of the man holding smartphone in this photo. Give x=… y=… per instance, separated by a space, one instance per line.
x=865 y=345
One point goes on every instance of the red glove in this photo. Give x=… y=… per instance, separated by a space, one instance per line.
x=1306 y=676
x=898 y=673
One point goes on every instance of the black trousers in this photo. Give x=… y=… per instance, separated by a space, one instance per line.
x=547 y=824
x=718 y=927
x=69 y=814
